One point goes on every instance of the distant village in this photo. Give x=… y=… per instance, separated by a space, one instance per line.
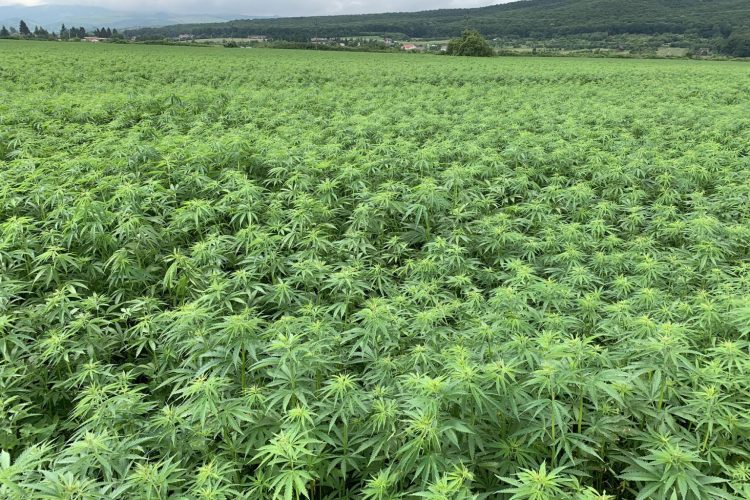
x=387 y=41
x=99 y=35
x=339 y=42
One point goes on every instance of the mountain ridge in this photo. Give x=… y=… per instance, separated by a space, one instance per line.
x=527 y=18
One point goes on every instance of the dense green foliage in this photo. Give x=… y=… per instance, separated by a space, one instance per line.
x=533 y=18
x=738 y=44
x=259 y=274
x=23 y=29
x=471 y=43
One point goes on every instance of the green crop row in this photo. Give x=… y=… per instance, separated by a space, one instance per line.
x=285 y=274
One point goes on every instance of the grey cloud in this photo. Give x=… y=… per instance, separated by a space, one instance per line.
x=269 y=8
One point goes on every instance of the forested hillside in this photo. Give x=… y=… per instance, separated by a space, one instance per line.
x=533 y=18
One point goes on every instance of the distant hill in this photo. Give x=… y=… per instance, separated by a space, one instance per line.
x=51 y=17
x=531 y=18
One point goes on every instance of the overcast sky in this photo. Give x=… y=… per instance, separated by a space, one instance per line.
x=268 y=7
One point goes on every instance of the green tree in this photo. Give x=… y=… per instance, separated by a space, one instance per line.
x=40 y=32
x=23 y=28
x=4 y=33
x=471 y=43
x=738 y=45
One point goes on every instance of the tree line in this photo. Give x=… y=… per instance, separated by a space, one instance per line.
x=65 y=33
x=534 y=18
x=714 y=23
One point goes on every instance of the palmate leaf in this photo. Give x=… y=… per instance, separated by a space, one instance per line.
x=538 y=484
x=17 y=476
x=290 y=484
x=740 y=317
x=662 y=481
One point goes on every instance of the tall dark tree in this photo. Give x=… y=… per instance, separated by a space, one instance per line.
x=4 y=33
x=40 y=32
x=23 y=28
x=64 y=33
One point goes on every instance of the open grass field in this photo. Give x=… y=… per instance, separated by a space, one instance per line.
x=285 y=274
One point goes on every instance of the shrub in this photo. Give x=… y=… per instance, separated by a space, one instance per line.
x=471 y=43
